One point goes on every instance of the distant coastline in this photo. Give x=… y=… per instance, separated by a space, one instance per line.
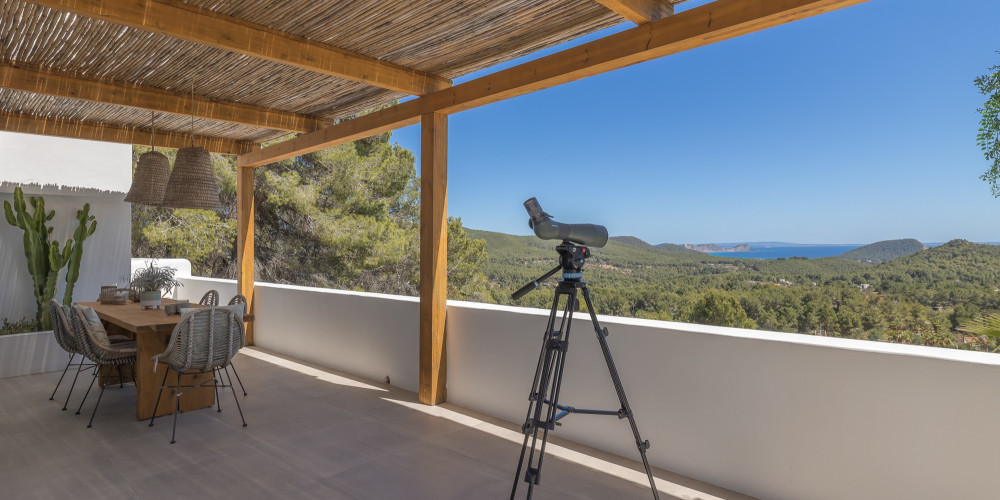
x=714 y=248
x=787 y=252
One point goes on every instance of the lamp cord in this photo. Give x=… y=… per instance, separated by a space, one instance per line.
x=192 y=113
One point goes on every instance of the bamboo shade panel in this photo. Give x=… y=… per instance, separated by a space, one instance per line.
x=443 y=37
x=72 y=109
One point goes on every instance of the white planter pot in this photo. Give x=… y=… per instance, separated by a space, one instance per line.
x=150 y=299
x=27 y=353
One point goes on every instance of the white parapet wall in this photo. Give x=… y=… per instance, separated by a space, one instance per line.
x=772 y=415
x=196 y=287
x=372 y=335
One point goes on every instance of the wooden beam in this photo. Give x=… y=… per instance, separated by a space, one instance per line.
x=697 y=27
x=245 y=241
x=64 y=84
x=75 y=129
x=433 y=256
x=205 y=27
x=640 y=11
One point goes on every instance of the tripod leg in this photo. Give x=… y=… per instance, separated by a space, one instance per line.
x=547 y=379
x=533 y=399
x=622 y=398
x=556 y=385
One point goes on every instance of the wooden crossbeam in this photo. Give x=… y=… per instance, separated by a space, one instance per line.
x=640 y=11
x=65 y=84
x=205 y=27
x=75 y=129
x=697 y=27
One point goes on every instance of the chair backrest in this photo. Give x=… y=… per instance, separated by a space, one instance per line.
x=238 y=299
x=62 y=329
x=211 y=298
x=204 y=339
x=84 y=336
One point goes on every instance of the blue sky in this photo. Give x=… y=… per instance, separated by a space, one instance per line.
x=850 y=127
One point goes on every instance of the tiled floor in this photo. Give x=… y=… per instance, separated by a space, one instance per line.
x=312 y=433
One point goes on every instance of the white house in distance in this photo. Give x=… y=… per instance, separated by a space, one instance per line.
x=67 y=173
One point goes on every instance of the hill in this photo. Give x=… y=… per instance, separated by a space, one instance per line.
x=919 y=298
x=662 y=247
x=632 y=240
x=884 y=251
x=672 y=248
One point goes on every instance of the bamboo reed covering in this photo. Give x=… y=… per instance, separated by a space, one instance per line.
x=442 y=37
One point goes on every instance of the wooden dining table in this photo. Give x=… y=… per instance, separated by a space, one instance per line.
x=151 y=329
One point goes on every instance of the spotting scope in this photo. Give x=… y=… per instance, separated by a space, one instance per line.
x=548 y=229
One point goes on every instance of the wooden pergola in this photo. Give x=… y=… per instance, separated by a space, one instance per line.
x=260 y=70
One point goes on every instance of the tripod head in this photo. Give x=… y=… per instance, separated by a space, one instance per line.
x=572 y=257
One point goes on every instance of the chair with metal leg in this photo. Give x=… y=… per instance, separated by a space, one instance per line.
x=211 y=298
x=63 y=333
x=204 y=341
x=101 y=353
x=238 y=299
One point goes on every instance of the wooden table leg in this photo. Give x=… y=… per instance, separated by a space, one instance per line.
x=148 y=382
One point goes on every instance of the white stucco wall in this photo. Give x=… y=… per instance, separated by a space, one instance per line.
x=68 y=173
x=367 y=334
x=195 y=287
x=773 y=415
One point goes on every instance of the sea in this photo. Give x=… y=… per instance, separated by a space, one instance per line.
x=779 y=252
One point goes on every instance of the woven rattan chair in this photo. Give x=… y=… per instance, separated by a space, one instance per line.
x=119 y=355
x=204 y=341
x=238 y=299
x=211 y=298
x=63 y=333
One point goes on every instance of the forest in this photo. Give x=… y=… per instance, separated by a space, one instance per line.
x=922 y=297
x=348 y=217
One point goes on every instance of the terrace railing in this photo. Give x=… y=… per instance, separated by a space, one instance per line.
x=772 y=415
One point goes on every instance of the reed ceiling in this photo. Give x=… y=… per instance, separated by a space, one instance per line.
x=443 y=38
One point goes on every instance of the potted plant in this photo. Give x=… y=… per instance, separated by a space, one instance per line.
x=152 y=282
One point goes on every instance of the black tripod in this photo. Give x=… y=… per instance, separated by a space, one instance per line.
x=544 y=410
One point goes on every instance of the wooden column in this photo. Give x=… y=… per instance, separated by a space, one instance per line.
x=244 y=239
x=433 y=256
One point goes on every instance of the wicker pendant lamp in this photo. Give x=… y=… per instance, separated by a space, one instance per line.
x=192 y=183
x=151 y=174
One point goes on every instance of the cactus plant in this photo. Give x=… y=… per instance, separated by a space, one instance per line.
x=76 y=254
x=44 y=258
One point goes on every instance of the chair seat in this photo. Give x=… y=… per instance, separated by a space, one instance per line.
x=123 y=347
x=118 y=338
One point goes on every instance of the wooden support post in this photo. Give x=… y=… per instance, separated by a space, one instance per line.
x=244 y=239
x=433 y=256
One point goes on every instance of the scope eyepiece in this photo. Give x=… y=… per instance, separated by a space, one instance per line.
x=535 y=213
x=548 y=229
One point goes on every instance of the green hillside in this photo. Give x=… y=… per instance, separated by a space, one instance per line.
x=662 y=247
x=884 y=251
x=920 y=298
x=632 y=240
x=670 y=247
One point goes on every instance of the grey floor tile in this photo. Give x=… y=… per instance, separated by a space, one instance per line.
x=307 y=438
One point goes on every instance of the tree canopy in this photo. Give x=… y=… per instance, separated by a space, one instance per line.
x=989 y=126
x=345 y=217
